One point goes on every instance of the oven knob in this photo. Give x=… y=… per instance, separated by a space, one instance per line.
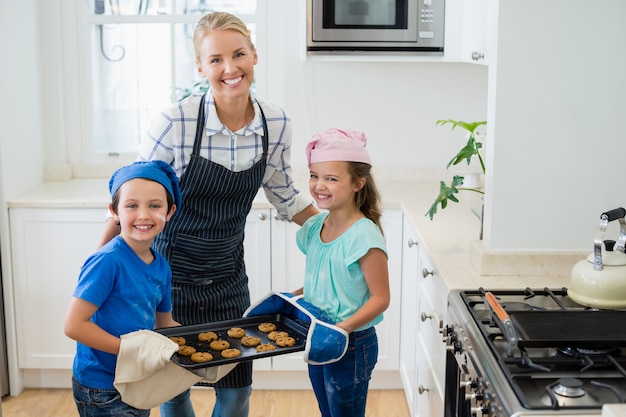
x=480 y=411
x=454 y=346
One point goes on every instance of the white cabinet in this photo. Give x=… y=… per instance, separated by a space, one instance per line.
x=258 y=259
x=422 y=353
x=49 y=246
x=408 y=318
x=469 y=26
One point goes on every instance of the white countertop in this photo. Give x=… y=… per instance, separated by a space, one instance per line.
x=451 y=238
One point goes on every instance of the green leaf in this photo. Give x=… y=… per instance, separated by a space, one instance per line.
x=470 y=149
x=470 y=127
x=445 y=193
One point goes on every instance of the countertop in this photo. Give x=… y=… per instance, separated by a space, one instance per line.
x=451 y=239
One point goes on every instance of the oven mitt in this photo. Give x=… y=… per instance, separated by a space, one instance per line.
x=145 y=376
x=325 y=342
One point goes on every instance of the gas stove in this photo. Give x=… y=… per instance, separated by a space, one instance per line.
x=543 y=355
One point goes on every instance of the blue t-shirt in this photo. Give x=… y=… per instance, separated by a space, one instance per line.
x=333 y=278
x=128 y=293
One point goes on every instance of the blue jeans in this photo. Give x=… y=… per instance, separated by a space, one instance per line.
x=229 y=402
x=96 y=402
x=341 y=387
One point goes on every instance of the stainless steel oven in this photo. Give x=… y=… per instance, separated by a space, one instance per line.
x=359 y=26
x=544 y=355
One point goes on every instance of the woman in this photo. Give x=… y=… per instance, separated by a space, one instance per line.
x=224 y=146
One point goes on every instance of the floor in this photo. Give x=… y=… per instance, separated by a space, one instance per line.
x=263 y=403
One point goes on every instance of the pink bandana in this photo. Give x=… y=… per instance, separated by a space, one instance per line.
x=338 y=145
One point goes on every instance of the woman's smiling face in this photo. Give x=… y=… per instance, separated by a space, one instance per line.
x=227 y=60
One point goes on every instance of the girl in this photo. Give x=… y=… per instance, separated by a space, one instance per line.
x=124 y=287
x=346 y=265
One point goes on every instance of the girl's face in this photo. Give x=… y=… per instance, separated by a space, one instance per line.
x=331 y=185
x=142 y=210
x=227 y=61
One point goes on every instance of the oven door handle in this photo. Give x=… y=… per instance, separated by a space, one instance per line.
x=505 y=320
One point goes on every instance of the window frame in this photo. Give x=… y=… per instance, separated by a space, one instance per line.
x=77 y=80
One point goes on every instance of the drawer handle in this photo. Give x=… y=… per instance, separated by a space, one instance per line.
x=262 y=216
x=411 y=243
x=421 y=389
x=426 y=272
x=425 y=317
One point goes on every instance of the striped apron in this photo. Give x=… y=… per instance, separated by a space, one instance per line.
x=203 y=243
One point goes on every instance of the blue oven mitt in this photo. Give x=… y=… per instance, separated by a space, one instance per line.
x=325 y=342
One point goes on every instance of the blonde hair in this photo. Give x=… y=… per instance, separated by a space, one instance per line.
x=218 y=21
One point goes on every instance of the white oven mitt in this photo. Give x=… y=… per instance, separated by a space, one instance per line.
x=145 y=376
x=325 y=342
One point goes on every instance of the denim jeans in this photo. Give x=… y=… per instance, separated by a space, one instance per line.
x=341 y=387
x=229 y=402
x=95 y=402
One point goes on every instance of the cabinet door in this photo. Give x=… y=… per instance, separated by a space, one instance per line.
x=432 y=306
x=49 y=246
x=257 y=255
x=409 y=323
x=469 y=26
x=287 y=276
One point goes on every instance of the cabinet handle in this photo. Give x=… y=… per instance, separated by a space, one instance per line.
x=421 y=389
x=426 y=273
x=478 y=56
x=262 y=216
x=411 y=243
x=425 y=317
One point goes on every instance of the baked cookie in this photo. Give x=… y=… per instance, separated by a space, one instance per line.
x=265 y=347
x=219 y=345
x=285 y=341
x=231 y=353
x=186 y=350
x=200 y=357
x=179 y=340
x=267 y=327
x=236 y=332
x=250 y=341
x=207 y=336
x=276 y=334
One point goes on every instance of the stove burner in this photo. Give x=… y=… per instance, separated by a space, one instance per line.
x=578 y=352
x=511 y=306
x=569 y=387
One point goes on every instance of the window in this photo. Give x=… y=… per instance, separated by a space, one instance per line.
x=135 y=56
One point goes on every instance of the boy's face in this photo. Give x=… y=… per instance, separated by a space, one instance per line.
x=142 y=210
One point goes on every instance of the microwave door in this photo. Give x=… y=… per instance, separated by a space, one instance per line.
x=365 y=21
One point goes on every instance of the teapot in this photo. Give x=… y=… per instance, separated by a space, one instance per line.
x=599 y=281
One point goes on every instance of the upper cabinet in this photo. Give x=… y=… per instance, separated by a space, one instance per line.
x=470 y=24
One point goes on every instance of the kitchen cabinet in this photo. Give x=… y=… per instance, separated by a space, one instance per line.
x=469 y=27
x=422 y=353
x=49 y=246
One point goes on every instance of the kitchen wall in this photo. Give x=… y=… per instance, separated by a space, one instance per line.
x=557 y=101
x=554 y=95
x=394 y=101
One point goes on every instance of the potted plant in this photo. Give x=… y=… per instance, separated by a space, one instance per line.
x=471 y=148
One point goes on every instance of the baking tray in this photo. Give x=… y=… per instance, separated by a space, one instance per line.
x=249 y=324
x=583 y=329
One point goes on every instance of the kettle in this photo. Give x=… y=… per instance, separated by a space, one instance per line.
x=599 y=281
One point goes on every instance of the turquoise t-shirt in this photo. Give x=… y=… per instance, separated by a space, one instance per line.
x=333 y=278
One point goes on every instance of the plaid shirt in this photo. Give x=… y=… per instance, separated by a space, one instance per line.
x=171 y=135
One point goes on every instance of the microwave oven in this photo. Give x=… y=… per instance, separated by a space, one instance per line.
x=374 y=26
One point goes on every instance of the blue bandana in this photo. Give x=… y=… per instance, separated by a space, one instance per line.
x=158 y=171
